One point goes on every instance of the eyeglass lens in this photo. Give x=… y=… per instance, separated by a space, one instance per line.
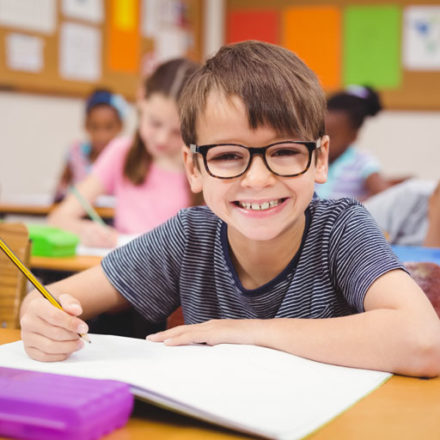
x=232 y=160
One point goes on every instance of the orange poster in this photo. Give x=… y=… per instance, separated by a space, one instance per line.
x=314 y=34
x=123 y=48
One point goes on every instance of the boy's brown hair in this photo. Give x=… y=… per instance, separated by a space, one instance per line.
x=276 y=87
x=168 y=80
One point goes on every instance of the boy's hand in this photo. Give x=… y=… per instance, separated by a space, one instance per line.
x=213 y=332
x=49 y=333
x=95 y=235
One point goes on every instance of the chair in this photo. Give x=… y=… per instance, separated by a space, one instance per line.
x=12 y=281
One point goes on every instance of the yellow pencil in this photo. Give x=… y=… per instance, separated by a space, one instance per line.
x=30 y=276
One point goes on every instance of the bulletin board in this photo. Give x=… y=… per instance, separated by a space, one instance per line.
x=394 y=47
x=120 y=34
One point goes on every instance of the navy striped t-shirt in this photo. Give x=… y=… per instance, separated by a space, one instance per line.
x=186 y=262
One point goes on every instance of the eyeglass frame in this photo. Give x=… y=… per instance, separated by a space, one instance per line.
x=203 y=150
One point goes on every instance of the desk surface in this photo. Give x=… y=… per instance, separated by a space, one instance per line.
x=42 y=210
x=402 y=408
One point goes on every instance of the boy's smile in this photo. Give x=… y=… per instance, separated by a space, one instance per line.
x=257 y=205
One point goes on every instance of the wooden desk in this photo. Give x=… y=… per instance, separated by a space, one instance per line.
x=403 y=408
x=65 y=264
x=43 y=210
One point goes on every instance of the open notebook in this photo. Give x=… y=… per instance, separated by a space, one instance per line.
x=251 y=389
x=123 y=239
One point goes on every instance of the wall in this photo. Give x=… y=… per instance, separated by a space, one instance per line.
x=406 y=143
x=35 y=131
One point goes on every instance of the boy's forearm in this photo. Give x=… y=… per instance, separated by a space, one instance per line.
x=379 y=340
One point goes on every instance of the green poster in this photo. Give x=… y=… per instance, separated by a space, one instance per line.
x=372 y=46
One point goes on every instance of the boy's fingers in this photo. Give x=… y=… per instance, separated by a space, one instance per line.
x=49 y=346
x=44 y=357
x=70 y=304
x=43 y=349
x=166 y=334
x=39 y=326
x=59 y=318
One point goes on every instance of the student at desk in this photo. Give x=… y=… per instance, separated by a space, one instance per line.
x=264 y=262
x=352 y=172
x=104 y=118
x=409 y=213
x=145 y=174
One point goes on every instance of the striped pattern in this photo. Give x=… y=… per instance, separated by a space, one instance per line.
x=186 y=262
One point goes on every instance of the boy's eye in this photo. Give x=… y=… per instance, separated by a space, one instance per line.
x=226 y=153
x=226 y=156
x=284 y=152
x=287 y=151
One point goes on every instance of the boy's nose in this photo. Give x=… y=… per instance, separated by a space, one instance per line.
x=258 y=175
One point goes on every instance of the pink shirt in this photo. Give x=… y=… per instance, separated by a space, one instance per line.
x=140 y=208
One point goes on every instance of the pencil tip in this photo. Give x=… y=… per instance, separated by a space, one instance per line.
x=86 y=338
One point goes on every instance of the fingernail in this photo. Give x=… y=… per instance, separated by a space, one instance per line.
x=80 y=344
x=82 y=328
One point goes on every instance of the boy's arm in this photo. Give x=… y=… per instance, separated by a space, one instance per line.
x=398 y=332
x=51 y=334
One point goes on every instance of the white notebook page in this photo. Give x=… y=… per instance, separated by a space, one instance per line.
x=253 y=389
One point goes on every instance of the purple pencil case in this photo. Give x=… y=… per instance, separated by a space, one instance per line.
x=48 y=406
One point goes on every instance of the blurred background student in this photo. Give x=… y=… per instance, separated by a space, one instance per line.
x=104 y=120
x=352 y=172
x=145 y=174
x=409 y=213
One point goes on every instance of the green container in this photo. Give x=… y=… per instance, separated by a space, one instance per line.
x=48 y=241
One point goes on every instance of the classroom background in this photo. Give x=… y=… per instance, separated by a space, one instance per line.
x=55 y=53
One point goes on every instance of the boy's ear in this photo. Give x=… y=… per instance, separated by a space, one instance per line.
x=192 y=170
x=321 y=168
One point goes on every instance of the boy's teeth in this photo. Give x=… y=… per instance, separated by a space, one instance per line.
x=259 y=206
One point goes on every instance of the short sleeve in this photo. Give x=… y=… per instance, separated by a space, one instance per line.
x=109 y=165
x=359 y=255
x=146 y=271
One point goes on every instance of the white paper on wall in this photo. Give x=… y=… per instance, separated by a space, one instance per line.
x=156 y=14
x=150 y=17
x=89 y=10
x=171 y=43
x=80 y=52
x=24 y=52
x=421 y=38
x=32 y=15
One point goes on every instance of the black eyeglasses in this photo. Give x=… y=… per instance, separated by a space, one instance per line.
x=285 y=159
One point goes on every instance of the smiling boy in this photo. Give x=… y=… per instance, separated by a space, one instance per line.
x=264 y=262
